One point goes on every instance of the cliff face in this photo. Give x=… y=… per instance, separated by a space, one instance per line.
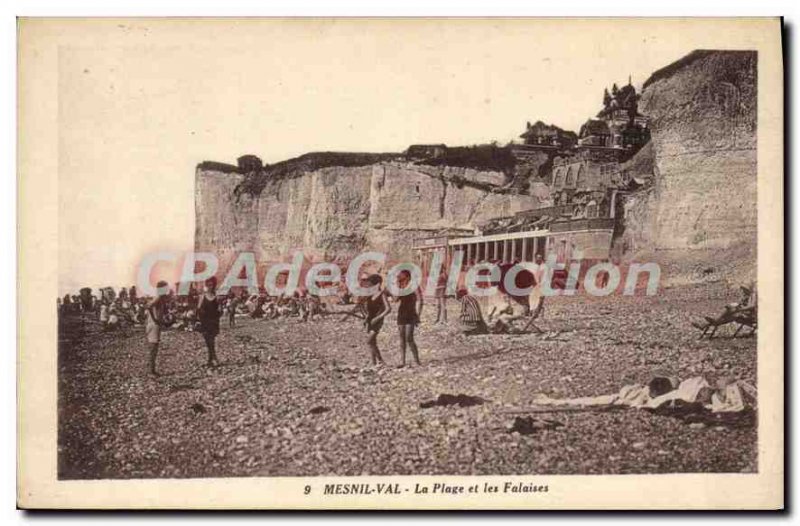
x=334 y=213
x=702 y=112
x=698 y=170
x=222 y=225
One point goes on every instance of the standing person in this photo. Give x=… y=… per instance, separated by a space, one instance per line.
x=408 y=316
x=377 y=309
x=233 y=303
x=154 y=320
x=441 y=298
x=539 y=276
x=208 y=314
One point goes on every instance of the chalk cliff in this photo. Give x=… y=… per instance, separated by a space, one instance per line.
x=335 y=212
x=699 y=193
x=702 y=112
x=698 y=217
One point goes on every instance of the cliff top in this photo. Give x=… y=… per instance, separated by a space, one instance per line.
x=694 y=56
x=489 y=157
x=310 y=162
x=215 y=166
x=480 y=157
x=306 y=162
x=254 y=182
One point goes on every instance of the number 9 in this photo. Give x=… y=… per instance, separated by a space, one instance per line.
x=307 y=490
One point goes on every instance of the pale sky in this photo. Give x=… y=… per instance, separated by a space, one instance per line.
x=142 y=102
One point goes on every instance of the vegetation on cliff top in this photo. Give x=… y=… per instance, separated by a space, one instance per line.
x=254 y=182
x=487 y=157
x=671 y=69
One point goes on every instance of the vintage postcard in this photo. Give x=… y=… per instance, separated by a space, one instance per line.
x=400 y=263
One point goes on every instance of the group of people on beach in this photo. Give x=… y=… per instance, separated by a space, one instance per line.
x=113 y=310
x=209 y=310
x=198 y=313
x=301 y=304
x=201 y=312
x=378 y=307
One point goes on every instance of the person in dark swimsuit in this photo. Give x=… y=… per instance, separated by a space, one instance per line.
x=208 y=314
x=378 y=308
x=408 y=315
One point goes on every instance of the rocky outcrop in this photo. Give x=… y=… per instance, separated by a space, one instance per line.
x=335 y=212
x=702 y=112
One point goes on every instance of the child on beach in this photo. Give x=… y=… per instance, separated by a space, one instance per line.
x=377 y=307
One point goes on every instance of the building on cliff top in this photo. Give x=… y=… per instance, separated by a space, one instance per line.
x=585 y=185
x=548 y=136
x=543 y=139
x=619 y=125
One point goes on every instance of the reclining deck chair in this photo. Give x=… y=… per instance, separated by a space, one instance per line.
x=534 y=314
x=747 y=317
x=744 y=314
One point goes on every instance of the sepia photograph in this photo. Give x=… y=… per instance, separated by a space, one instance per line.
x=397 y=260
